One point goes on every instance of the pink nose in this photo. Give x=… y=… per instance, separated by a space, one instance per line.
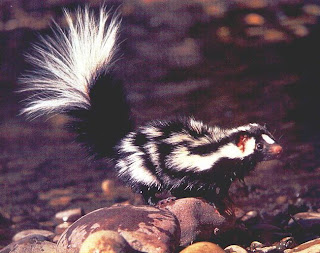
x=276 y=149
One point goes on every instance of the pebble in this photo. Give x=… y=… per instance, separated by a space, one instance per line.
x=308 y=220
x=60 y=201
x=312 y=9
x=274 y=35
x=203 y=247
x=22 y=234
x=114 y=191
x=184 y=55
x=108 y=188
x=281 y=200
x=69 y=215
x=255 y=244
x=235 y=249
x=59 y=229
x=198 y=219
x=224 y=33
x=286 y=243
x=266 y=249
x=105 y=241
x=250 y=217
x=312 y=246
x=254 y=19
x=145 y=228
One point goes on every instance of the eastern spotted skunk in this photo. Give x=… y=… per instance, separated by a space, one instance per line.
x=182 y=157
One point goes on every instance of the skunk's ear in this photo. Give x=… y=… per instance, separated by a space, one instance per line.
x=241 y=140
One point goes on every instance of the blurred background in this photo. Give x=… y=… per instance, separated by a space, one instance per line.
x=224 y=62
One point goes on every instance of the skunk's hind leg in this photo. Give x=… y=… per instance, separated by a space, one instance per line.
x=152 y=195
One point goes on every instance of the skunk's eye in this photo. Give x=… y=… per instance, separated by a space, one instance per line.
x=259 y=146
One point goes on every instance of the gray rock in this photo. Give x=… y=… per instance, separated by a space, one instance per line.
x=32 y=243
x=22 y=234
x=307 y=220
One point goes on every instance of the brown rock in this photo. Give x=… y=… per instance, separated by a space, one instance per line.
x=312 y=246
x=145 y=228
x=114 y=190
x=250 y=217
x=274 y=35
x=105 y=241
x=22 y=234
x=281 y=200
x=60 y=201
x=312 y=9
x=62 y=227
x=254 y=19
x=266 y=249
x=203 y=247
x=255 y=244
x=69 y=215
x=235 y=249
x=198 y=219
x=108 y=188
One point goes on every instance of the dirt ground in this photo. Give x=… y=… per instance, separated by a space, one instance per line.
x=208 y=59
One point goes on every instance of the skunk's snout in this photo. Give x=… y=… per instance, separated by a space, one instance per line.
x=275 y=150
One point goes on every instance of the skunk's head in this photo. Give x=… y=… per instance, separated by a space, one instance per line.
x=257 y=142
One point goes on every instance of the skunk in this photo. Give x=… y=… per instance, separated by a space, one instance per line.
x=182 y=157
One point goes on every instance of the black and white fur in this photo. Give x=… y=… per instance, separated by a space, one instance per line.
x=183 y=157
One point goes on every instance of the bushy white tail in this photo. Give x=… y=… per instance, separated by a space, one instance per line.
x=68 y=63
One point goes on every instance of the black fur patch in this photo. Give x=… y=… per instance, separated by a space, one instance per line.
x=108 y=119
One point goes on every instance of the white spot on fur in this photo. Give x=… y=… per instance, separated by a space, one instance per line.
x=268 y=139
x=132 y=165
x=182 y=160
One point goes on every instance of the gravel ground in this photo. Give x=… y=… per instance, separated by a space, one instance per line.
x=226 y=64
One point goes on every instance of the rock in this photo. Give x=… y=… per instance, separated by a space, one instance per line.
x=250 y=217
x=312 y=246
x=32 y=243
x=235 y=249
x=18 y=236
x=312 y=9
x=185 y=55
x=198 y=219
x=224 y=33
x=285 y=243
x=105 y=241
x=70 y=215
x=113 y=190
x=62 y=227
x=308 y=220
x=281 y=199
x=108 y=188
x=254 y=19
x=273 y=35
x=60 y=201
x=145 y=228
x=255 y=244
x=35 y=247
x=270 y=249
x=203 y=247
